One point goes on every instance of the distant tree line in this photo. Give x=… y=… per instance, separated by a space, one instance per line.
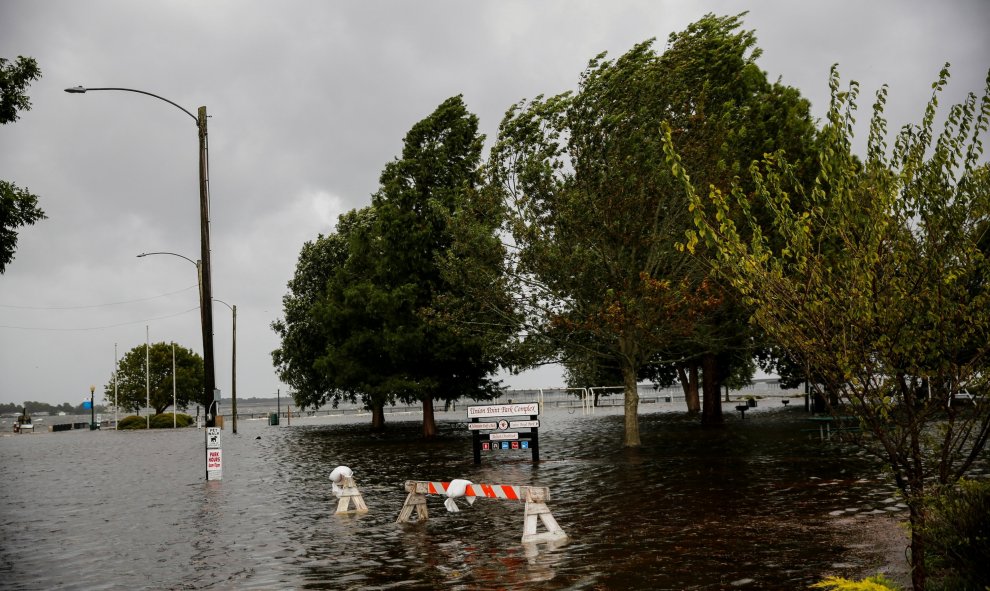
x=44 y=407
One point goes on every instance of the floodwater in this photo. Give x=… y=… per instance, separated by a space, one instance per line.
x=746 y=506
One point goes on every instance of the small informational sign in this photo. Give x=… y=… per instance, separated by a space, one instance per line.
x=486 y=445
x=515 y=445
x=213 y=438
x=523 y=424
x=481 y=426
x=214 y=464
x=503 y=436
x=504 y=410
x=524 y=444
x=503 y=424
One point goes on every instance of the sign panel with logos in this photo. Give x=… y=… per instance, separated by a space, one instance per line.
x=504 y=433
x=213 y=438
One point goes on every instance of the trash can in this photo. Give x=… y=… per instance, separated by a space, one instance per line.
x=273 y=418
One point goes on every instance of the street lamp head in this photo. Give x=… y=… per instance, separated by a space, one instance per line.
x=92 y=389
x=76 y=90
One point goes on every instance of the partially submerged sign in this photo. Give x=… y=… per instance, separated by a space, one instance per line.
x=214 y=454
x=504 y=430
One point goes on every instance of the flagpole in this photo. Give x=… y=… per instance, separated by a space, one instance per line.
x=173 y=385
x=147 y=373
x=115 y=369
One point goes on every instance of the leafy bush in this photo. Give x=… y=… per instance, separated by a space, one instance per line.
x=164 y=420
x=958 y=536
x=874 y=583
x=132 y=422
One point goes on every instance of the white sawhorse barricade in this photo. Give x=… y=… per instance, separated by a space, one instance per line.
x=346 y=491
x=535 y=497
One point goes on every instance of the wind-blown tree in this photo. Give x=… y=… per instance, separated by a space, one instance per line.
x=878 y=281
x=594 y=212
x=302 y=337
x=134 y=376
x=18 y=207
x=388 y=313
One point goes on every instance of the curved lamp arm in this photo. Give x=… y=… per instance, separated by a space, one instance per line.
x=83 y=89
x=144 y=254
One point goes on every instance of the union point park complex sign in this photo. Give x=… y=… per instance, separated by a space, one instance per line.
x=504 y=435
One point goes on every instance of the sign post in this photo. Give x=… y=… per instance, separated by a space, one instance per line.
x=504 y=433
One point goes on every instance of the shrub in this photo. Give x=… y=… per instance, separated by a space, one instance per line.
x=957 y=532
x=874 y=583
x=132 y=422
x=164 y=420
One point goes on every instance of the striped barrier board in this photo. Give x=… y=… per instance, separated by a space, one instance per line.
x=506 y=492
x=535 y=497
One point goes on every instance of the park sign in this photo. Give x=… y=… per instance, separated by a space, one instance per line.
x=504 y=410
x=490 y=417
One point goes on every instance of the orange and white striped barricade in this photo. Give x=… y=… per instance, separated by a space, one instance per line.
x=535 y=510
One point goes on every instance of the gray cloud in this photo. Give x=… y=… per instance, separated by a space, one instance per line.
x=308 y=101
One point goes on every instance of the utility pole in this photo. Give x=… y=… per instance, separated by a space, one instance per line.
x=212 y=404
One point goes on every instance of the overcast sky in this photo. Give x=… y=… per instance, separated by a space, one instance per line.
x=308 y=100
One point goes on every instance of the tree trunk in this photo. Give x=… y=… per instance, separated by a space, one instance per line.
x=377 y=416
x=919 y=574
x=712 y=411
x=689 y=380
x=631 y=405
x=429 y=421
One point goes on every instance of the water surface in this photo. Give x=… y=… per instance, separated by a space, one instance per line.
x=746 y=506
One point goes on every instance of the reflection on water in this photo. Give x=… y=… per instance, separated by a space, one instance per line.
x=692 y=509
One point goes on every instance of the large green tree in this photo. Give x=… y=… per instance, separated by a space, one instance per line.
x=877 y=280
x=18 y=207
x=303 y=339
x=595 y=213
x=147 y=371
x=391 y=320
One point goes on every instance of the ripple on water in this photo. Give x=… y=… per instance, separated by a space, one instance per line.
x=692 y=509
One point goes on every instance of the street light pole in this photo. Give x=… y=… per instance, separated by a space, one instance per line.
x=92 y=409
x=206 y=290
x=233 y=364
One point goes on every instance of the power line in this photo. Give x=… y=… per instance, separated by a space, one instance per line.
x=96 y=305
x=100 y=327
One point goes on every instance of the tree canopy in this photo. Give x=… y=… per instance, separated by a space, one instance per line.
x=144 y=370
x=302 y=338
x=877 y=280
x=18 y=207
x=387 y=322
x=594 y=212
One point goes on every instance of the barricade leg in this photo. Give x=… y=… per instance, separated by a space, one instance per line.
x=416 y=501
x=539 y=511
x=349 y=492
